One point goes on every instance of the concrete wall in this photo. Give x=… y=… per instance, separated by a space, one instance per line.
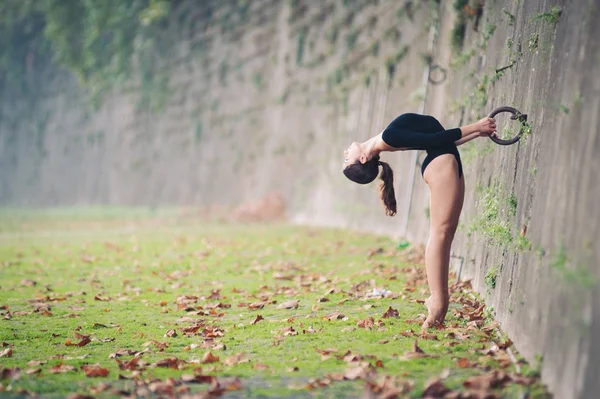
x=267 y=98
x=531 y=219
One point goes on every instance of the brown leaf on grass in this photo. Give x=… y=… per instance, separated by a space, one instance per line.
x=121 y=352
x=417 y=353
x=100 y=298
x=366 y=323
x=84 y=341
x=30 y=371
x=10 y=374
x=161 y=346
x=487 y=381
x=6 y=352
x=35 y=363
x=289 y=331
x=61 y=368
x=79 y=396
x=323 y=299
x=235 y=359
x=256 y=305
x=209 y=358
x=387 y=388
x=161 y=388
x=100 y=388
x=94 y=370
x=197 y=379
x=334 y=316
x=425 y=335
x=258 y=318
x=354 y=373
x=464 y=363
x=260 y=366
x=171 y=333
x=80 y=336
x=435 y=388
x=130 y=365
x=391 y=313
x=289 y=305
x=28 y=283
x=292 y=369
x=350 y=357
x=219 y=386
x=4 y=344
x=70 y=315
x=170 y=362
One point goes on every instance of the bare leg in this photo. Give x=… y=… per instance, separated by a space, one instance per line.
x=446 y=201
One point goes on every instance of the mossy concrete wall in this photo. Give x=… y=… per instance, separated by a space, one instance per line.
x=265 y=95
x=531 y=220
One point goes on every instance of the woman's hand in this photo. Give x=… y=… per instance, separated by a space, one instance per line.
x=486 y=127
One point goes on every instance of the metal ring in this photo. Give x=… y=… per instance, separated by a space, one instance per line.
x=517 y=115
x=442 y=70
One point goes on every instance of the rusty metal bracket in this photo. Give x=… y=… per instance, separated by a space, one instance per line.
x=516 y=115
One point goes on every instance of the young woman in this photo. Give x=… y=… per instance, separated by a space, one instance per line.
x=443 y=173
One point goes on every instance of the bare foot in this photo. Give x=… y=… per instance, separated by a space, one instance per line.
x=436 y=312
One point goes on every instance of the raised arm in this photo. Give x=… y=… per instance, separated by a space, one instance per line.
x=466 y=139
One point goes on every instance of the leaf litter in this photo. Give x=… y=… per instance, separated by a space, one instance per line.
x=205 y=320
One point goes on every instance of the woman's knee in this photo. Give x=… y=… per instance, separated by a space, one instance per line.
x=443 y=231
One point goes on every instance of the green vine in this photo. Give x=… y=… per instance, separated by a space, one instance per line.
x=101 y=42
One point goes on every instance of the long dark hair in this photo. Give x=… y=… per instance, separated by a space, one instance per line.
x=363 y=173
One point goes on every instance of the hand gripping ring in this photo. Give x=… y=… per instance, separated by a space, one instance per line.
x=517 y=115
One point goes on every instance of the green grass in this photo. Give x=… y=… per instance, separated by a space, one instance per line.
x=121 y=277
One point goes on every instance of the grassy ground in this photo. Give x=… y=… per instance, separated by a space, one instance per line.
x=156 y=304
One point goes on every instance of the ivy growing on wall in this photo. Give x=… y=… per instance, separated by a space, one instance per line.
x=101 y=41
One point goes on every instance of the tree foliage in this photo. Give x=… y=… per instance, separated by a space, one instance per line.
x=99 y=40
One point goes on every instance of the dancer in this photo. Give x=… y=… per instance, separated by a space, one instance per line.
x=443 y=173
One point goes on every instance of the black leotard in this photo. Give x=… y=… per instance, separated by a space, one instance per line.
x=423 y=132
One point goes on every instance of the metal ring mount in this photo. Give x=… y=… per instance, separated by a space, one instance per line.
x=443 y=71
x=516 y=115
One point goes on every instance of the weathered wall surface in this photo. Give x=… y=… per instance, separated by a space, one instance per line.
x=531 y=220
x=267 y=97
x=264 y=98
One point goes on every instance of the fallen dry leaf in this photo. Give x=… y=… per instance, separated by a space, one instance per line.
x=35 y=363
x=6 y=352
x=121 y=352
x=61 y=368
x=171 y=333
x=435 y=388
x=260 y=366
x=94 y=370
x=486 y=381
x=209 y=358
x=366 y=323
x=130 y=365
x=258 y=318
x=83 y=342
x=335 y=316
x=354 y=373
x=289 y=305
x=391 y=313
x=100 y=388
x=33 y=370
x=235 y=359
x=10 y=374
x=171 y=362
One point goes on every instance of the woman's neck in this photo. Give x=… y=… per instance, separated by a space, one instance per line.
x=372 y=147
